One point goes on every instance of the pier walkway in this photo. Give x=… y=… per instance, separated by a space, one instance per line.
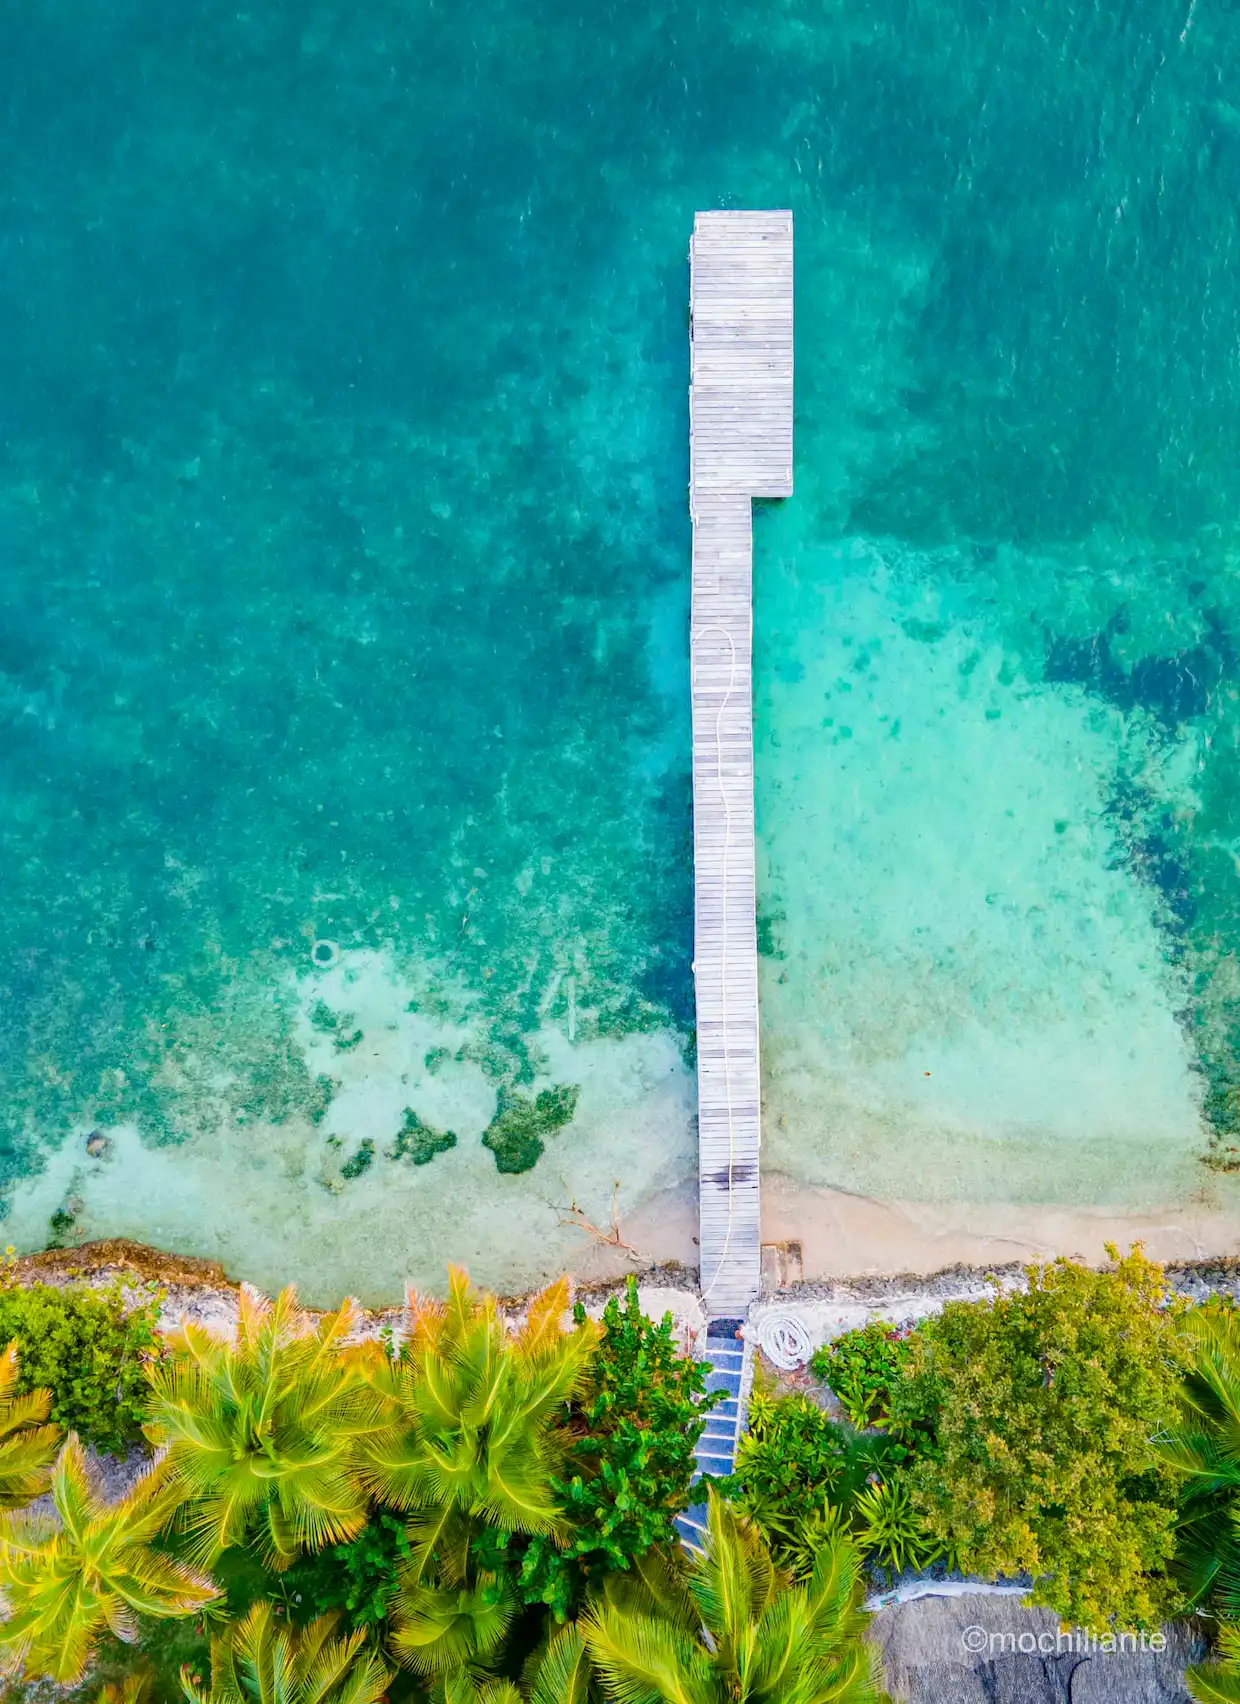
x=740 y=447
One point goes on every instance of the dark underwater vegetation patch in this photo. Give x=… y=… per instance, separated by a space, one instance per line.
x=361 y=1160
x=420 y=1142
x=517 y=1134
x=1173 y=687
x=1179 y=853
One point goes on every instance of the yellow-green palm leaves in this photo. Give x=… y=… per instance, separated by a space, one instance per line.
x=441 y=1628
x=561 y=1671
x=734 y=1631
x=1218 y=1682
x=464 y=1687
x=265 y=1661
x=264 y=1433
x=471 y=1440
x=27 y=1446
x=134 y=1689
x=1202 y=1451
x=64 y=1579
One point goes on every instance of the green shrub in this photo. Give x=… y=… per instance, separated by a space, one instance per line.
x=629 y=1443
x=88 y=1346
x=1045 y=1405
x=861 y=1367
x=358 y=1577
x=887 y=1527
x=802 y=1476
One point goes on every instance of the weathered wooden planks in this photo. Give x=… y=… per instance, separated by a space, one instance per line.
x=740 y=447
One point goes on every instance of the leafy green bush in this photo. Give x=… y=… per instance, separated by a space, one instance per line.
x=1046 y=1403
x=89 y=1347
x=887 y=1527
x=629 y=1445
x=358 y=1577
x=861 y=1367
x=802 y=1476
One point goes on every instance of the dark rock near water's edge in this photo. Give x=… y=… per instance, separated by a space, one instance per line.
x=929 y=1657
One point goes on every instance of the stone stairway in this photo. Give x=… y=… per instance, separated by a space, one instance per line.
x=716 y=1450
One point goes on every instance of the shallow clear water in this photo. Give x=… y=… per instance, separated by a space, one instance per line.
x=344 y=551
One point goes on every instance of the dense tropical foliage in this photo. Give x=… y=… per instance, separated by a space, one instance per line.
x=263 y=1660
x=731 y=1629
x=1011 y=1436
x=264 y=1434
x=629 y=1462
x=1045 y=1402
x=1201 y=1448
x=89 y=1347
x=471 y=1512
x=90 y=1568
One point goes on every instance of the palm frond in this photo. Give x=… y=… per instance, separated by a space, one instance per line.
x=261 y=1660
x=134 y=1689
x=542 y=1330
x=438 y=1630
x=656 y=1583
x=642 y=1660
x=1216 y=1682
x=64 y=1585
x=560 y=1672
x=734 y=1579
x=339 y=1670
x=463 y=1687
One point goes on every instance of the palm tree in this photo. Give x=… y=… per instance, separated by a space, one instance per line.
x=263 y=1661
x=66 y=1578
x=27 y=1446
x=733 y=1629
x=266 y=1431
x=1203 y=1452
x=471 y=1447
x=558 y=1672
x=1218 y=1682
x=472 y=1440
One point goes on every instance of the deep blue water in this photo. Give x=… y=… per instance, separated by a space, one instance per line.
x=344 y=556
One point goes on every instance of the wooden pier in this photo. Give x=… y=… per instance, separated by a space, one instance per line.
x=740 y=447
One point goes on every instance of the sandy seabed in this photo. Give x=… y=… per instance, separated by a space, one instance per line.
x=272 y=1205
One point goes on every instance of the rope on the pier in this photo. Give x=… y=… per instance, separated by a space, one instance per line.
x=727 y=847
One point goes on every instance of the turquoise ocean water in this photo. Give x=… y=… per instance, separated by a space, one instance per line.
x=344 y=554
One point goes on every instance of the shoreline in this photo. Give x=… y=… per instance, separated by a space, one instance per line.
x=203 y=1290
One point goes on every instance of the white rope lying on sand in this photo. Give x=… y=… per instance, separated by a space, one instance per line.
x=784 y=1340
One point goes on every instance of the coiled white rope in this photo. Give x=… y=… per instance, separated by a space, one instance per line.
x=784 y=1341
